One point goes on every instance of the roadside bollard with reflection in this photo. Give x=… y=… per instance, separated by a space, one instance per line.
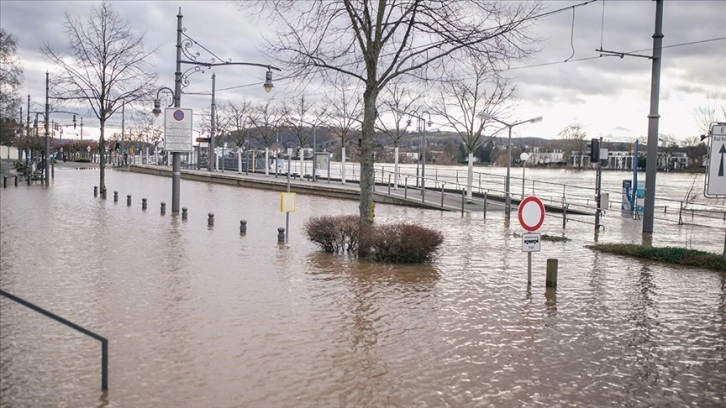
x=281 y=235
x=163 y=208
x=16 y=181
x=184 y=213
x=242 y=227
x=115 y=196
x=143 y=204
x=128 y=200
x=551 y=280
x=95 y=191
x=5 y=181
x=210 y=219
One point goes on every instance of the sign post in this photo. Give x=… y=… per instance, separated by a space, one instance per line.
x=531 y=215
x=716 y=172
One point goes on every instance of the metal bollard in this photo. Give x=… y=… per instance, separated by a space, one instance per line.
x=115 y=196
x=5 y=181
x=485 y=205
x=551 y=280
x=210 y=220
x=52 y=171
x=16 y=180
x=128 y=201
x=95 y=191
x=463 y=200
x=163 y=208
x=281 y=235
x=184 y=213
x=143 y=204
x=242 y=227
x=564 y=215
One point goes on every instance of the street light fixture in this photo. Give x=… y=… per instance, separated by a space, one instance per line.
x=180 y=77
x=508 y=196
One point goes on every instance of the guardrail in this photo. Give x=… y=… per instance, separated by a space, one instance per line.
x=103 y=340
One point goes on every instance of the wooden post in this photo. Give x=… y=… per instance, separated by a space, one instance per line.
x=551 y=280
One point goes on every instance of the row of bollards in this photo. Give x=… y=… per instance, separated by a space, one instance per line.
x=185 y=213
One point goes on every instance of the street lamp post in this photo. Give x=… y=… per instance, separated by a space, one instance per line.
x=507 y=191
x=523 y=157
x=176 y=95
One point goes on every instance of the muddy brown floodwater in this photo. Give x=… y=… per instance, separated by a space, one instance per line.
x=204 y=317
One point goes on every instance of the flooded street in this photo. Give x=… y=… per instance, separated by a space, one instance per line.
x=200 y=316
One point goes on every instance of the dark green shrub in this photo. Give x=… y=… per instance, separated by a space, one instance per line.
x=83 y=160
x=404 y=243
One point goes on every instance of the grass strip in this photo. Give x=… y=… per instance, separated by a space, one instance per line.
x=669 y=255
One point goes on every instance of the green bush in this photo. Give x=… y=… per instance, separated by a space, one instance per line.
x=400 y=243
x=19 y=166
x=83 y=160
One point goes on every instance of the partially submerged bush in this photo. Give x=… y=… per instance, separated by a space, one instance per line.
x=401 y=242
x=333 y=234
x=404 y=243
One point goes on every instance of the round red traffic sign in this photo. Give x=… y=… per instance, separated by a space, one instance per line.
x=531 y=213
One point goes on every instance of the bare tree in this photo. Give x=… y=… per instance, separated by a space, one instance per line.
x=345 y=115
x=375 y=42
x=396 y=101
x=572 y=137
x=238 y=118
x=465 y=103
x=11 y=77
x=106 y=66
x=708 y=113
x=144 y=132
x=266 y=120
x=298 y=122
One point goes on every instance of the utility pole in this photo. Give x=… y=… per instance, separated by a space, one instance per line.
x=651 y=162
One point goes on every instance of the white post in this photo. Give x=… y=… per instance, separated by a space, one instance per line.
x=239 y=161
x=267 y=161
x=342 y=169
x=470 y=176
x=395 y=168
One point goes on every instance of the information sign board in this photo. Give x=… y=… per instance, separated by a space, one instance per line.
x=178 y=130
x=716 y=173
x=531 y=242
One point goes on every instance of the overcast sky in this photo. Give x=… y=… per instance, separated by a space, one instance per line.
x=608 y=97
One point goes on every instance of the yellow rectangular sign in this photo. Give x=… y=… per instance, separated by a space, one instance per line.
x=287 y=202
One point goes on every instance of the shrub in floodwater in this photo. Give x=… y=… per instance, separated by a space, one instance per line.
x=334 y=234
x=404 y=243
x=400 y=242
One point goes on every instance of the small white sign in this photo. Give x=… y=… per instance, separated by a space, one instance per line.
x=178 y=130
x=531 y=242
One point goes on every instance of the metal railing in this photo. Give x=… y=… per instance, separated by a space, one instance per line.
x=103 y=340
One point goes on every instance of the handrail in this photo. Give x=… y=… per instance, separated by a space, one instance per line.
x=103 y=340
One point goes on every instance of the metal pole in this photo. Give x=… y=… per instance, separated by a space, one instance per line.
x=47 y=136
x=652 y=157
x=211 y=159
x=123 y=127
x=314 y=150
x=507 y=198
x=175 y=156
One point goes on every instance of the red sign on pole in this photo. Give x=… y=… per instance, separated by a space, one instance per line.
x=531 y=213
